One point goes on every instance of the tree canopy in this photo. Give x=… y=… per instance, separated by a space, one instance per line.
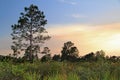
x=29 y=32
x=69 y=51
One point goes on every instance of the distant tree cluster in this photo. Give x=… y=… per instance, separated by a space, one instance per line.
x=90 y=57
x=69 y=51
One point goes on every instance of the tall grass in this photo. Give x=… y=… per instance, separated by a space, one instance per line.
x=60 y=71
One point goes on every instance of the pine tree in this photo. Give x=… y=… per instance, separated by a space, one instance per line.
x=29 y=32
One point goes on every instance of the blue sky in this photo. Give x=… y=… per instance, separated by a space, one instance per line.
x=60 y=12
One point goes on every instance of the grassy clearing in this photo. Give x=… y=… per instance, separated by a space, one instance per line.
x=60 y=71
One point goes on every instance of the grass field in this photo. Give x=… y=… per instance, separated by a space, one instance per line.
x=52 y=70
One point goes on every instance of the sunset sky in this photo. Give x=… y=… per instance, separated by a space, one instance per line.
x=91 y=25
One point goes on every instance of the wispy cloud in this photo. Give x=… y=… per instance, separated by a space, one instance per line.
x=68 y=2
x=108 y=16
x=78 y=16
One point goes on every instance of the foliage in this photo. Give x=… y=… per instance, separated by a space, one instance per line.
x=69 y=50
x=53 y=70
x=29 y=32
x=46 y=57
x=89 y=57
x=56 y=58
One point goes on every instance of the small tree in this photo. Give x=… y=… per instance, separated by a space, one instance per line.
x=29 y=32
x=100 y=55
x=89 y=57
x=47 y=56
x=69 y=50
x=46 y=50
x=56 y=58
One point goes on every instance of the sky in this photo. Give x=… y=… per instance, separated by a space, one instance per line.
x=92 y=25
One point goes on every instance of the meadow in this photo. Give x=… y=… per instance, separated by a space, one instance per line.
x=54 y=70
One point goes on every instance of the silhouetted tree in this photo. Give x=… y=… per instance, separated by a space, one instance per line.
x=100 y=55
x=46 y=50
x=114 y=58
x=16 y=52
x=35 y=50
x=69 y=51
x=56 y=58
x=74 y=52
x=89 y=57
x=47 y=56
x=29 y=31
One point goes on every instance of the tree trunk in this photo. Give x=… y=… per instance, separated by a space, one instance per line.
x=31 y=44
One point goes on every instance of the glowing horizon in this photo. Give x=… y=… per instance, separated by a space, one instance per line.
x=90 y=25
x=87 y=38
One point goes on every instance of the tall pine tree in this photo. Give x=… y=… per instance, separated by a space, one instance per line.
x=29 y=32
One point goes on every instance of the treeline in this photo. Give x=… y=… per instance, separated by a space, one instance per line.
x=90 y=57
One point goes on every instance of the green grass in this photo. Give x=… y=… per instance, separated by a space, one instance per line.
x=60 y=71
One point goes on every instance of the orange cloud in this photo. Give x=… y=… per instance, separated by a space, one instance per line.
x=87 y=37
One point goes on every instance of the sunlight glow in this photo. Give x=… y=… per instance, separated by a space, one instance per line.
x=113 y=42
x=87 y=38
